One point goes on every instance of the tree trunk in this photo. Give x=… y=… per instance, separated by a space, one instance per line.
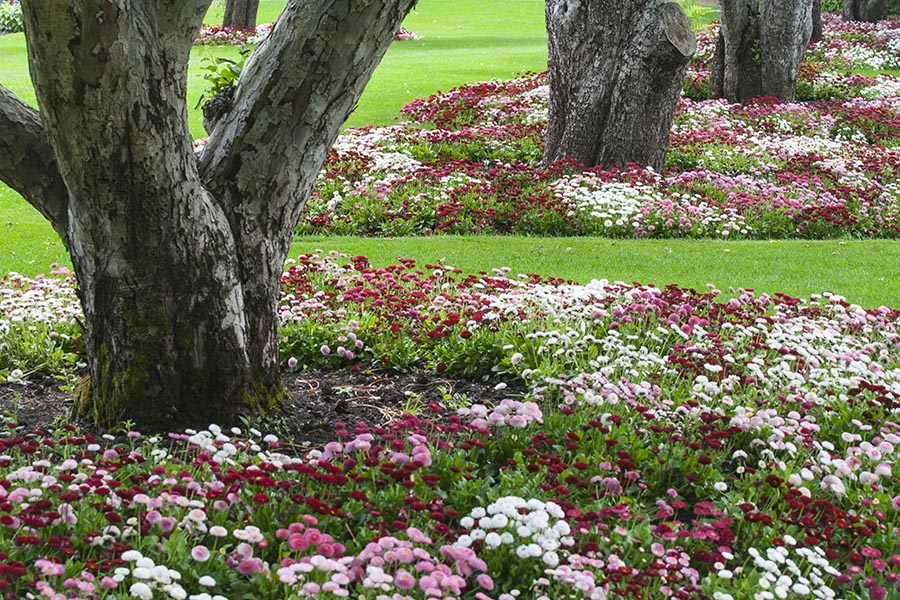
x=616 y=74
x=240 y=13
x=816 y=34
x=179 y=259
x=760 y=47
x=865 y=10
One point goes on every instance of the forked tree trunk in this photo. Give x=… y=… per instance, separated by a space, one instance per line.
x=616 y=73
x=865 y=10
x=240 y=13
x=179 y=258
x=760 y=47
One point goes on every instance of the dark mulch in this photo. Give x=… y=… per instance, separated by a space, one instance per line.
x=316 y=401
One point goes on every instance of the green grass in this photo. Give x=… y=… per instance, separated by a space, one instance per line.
x=462 y=42
x=28 y=244
x=14 y=67
x=267 y=13
x=863 y=271
x=466 y=41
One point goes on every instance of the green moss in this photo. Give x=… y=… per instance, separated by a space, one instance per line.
x=154 y=381
x=261 y=395
x=185 y=398
x=117 y=397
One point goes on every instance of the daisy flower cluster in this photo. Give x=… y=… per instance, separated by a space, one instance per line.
x=661 y=443
x=534 y=528
x=466 y=161
x=214 y=35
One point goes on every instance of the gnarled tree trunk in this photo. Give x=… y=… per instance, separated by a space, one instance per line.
x=865 y=10
x=240 y=13
x=760 y=47
x=616 y=73
x=179 y=257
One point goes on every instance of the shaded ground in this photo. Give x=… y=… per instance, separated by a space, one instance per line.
x=316 y=401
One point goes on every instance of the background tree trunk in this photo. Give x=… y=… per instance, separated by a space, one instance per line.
x=760 y=47
x=240 y=13
x=865 y=10
x=179 y=259
x=816 y=34
x=616 y=74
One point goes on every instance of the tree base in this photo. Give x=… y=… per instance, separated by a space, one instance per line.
x=125 y=399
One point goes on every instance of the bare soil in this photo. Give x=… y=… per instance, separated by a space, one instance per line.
x=316 y=401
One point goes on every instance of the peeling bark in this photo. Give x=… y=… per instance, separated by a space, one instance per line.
x=616 y=73
x=179 y=259
x=760 y=47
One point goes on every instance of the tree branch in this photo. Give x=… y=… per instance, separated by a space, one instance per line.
x=293 y=96
x=184 y=17
x=27 y=164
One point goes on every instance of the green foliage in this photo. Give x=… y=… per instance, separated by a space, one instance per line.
x=38 y=348
x=11 y=16
x=700 y=15
x=222 y=72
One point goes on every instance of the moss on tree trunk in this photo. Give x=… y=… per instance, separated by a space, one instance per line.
x=184 y=399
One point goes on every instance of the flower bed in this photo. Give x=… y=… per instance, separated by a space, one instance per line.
x=214 y=35
x=465 y=162
x=668 y=446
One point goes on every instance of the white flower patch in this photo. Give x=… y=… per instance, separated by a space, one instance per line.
x=870 y=58
x=395 y=162
x=614 y=203
x=789 y=572
x=367 y=141
x=538 y=98
x=42 y=299
x=534 y=528
x=884 y=87
x=800 y=144
x=149 y=577
x=262 y=32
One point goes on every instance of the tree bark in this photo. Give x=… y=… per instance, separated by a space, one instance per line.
x=179 y=259
x=865 y=10
x=816 y=34
x=760 y=47
x=240 y=13
x=27 y=164
x=616 y=73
